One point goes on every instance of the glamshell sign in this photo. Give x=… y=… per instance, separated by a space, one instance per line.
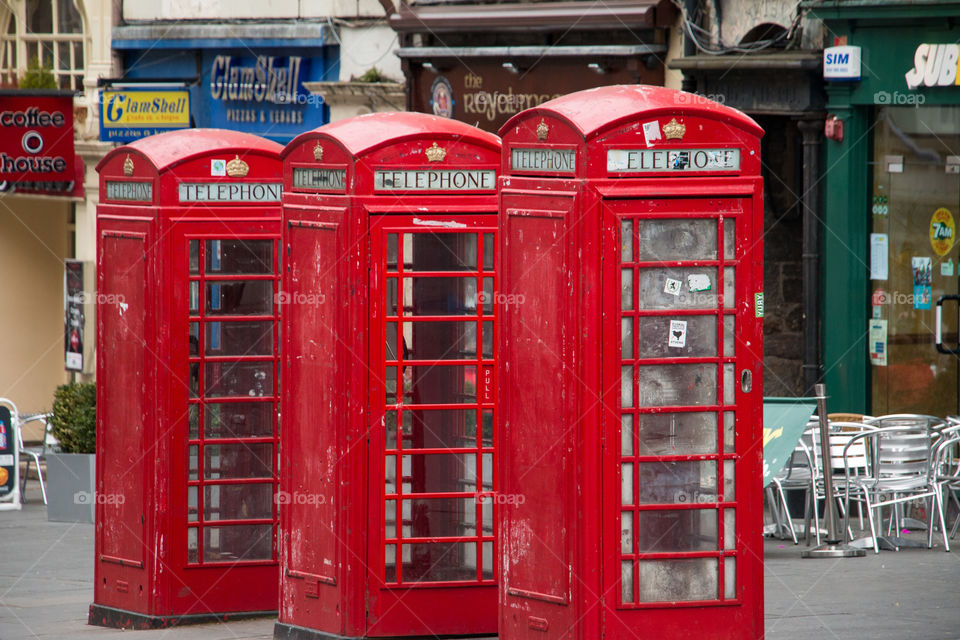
x=934 y=65
x=36 y=137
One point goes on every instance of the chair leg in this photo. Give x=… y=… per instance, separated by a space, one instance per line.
x=873 y=529
x=786 y=514
x=43 y=483
x=938 y=499
x=23 y=480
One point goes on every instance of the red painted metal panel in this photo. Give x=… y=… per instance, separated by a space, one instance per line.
x=664 y=265
x=121 y=472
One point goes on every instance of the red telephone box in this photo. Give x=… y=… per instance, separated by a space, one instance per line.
x=187 y=273
x=630 y=389
x=389 y=233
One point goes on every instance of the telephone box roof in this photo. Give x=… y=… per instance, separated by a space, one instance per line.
x=169 y=149
x=595 y=110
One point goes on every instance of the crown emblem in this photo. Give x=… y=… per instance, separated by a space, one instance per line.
x=318 y=152
x=128 y=166
x=674 y=130
x=237 y=168
x=542 y=130
x=435 y=153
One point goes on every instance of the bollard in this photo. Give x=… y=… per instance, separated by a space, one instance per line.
x=834 y=547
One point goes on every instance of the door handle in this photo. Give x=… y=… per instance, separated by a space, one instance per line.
x=746 y=381
x=939 y=327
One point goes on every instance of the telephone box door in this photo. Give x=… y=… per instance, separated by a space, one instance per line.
x=681 y=370
x=432 y=390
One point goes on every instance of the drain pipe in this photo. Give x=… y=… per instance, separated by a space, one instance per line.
x=812 y=132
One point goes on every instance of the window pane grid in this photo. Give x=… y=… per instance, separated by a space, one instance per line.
x=232 y=480
x=693 y=520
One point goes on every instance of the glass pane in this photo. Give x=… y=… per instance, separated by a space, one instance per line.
x=240 y=256
x=440 y=296
x=677 y=482
x=678 y=336
x=677 y=384
x=237 y=501
x=391 y=296
x=390 y=563
x=729 y=481
x=193 y=551
x=392 y=252
x=626 y=435
x=688 y=239
x=729 y=287
x=440 y=472
x=63 y=56
x=729 y=384
x=390 y=518
x=626 y=532
x=730 y=578
x=194 y=379
x=486 y=510
x=487 y=561
x=435 y=384
x=440 y=517
x=626 y=289
x=239 y=379
x=729 y=529
x=194 y=338
x=194 y=457
x=390 y=385
x=678 y=580
x=487 y=435
x=626 y=338
x=729 y=241
x=728 y=431
x=39 y=17
x=239 y=339
x=194 y=296
x=238 y=419
x=390 y=429
x=440 y=252
x=728 y=336
x=488 y=248
x=677 y=288
x=488 y=297
x=626 y=581
x=239 y=542
x=626 y=386
x=487 y=339
x=685 y=433
x=440 y=561
x=78 y=55
x=192 y=493
x=439 y=428
x=439 y=340
x=626 y=483
x=626 y=241
x=68 y=19
x=254 y=460
x=677 y=530
x=240 y=298
x=193 y=419
x=390 y=474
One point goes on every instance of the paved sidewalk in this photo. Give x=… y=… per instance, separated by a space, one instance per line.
x=46 y=585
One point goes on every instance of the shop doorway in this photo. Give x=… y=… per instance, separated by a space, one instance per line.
x=913 y=259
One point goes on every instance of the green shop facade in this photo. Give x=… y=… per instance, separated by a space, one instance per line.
x=890 y=211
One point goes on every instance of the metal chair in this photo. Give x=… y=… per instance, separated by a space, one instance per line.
x=798 y=473
x=35 y=454
x=900 y=459
x=947 y=468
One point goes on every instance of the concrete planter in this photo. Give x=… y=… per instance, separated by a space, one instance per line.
x=70 y=487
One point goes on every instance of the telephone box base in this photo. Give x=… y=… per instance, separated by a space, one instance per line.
x=283 y=631
x=102 y=616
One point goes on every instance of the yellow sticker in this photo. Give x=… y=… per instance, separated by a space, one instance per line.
x=942 y=229
x=4 y=475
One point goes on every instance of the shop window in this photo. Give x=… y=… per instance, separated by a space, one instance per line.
x=49 y=32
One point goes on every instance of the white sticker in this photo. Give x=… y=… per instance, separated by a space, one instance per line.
x=946 y=268
x=218 y=167
x=651 y=131
x=6 y=460
x=678 y=333
x=698 y=282
x=672 y=287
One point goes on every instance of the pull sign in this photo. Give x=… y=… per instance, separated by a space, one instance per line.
x=758 y=304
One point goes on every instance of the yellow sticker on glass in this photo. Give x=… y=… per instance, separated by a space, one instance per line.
x=942 y=231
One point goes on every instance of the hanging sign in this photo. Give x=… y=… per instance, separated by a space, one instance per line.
x=841 y=63
x=942 y=231
x=36 y=140
x=73 y=314
x=131 y=114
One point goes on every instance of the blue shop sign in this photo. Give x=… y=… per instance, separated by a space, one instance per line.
x=261 y=94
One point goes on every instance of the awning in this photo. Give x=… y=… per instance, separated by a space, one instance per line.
x=616 y=15
x=203 y=35
x=779 y=61
x=588 y=51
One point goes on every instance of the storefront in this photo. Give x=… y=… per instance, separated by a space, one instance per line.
x=484 y=63
x=244 y=77
x=891 y=204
